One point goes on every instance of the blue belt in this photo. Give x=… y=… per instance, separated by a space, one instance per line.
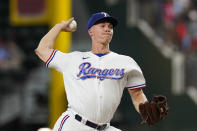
x=90 y=124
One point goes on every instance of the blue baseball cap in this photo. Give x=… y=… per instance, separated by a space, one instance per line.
x=101 y=16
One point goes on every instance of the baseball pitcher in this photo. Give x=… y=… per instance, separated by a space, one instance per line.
x=95 y=80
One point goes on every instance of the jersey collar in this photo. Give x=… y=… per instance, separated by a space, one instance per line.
x=100 y=55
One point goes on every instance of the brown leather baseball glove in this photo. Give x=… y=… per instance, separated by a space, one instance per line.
x=154 y=111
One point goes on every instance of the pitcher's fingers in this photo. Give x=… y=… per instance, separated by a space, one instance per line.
x=70 y=20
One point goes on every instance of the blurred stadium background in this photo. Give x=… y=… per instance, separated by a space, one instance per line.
x=161 y=35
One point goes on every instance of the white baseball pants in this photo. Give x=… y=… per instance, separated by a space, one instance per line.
x=67 y=122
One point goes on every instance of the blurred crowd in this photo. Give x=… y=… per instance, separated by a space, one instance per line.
x=175 y=21
x=180 y=20
x=180 y=26
x=11 y=56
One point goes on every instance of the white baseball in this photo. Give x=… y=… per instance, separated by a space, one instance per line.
x=73 y=25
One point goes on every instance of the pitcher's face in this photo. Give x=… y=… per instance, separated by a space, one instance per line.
x=102 y=32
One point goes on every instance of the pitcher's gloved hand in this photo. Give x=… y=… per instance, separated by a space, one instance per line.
x=154 y=111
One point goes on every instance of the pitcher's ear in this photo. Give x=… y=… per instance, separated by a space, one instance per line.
x=90 y=32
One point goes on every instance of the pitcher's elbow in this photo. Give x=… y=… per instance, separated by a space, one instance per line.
x=36 y=51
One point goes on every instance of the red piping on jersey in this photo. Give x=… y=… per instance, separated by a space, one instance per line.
x=137 y=86
x=50 y=57
x=63 y=121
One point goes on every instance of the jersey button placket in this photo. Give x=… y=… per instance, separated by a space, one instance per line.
x=99 y=88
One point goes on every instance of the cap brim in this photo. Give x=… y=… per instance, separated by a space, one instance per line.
x=110 y=19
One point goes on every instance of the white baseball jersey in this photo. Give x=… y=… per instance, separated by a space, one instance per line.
x=94 y=85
